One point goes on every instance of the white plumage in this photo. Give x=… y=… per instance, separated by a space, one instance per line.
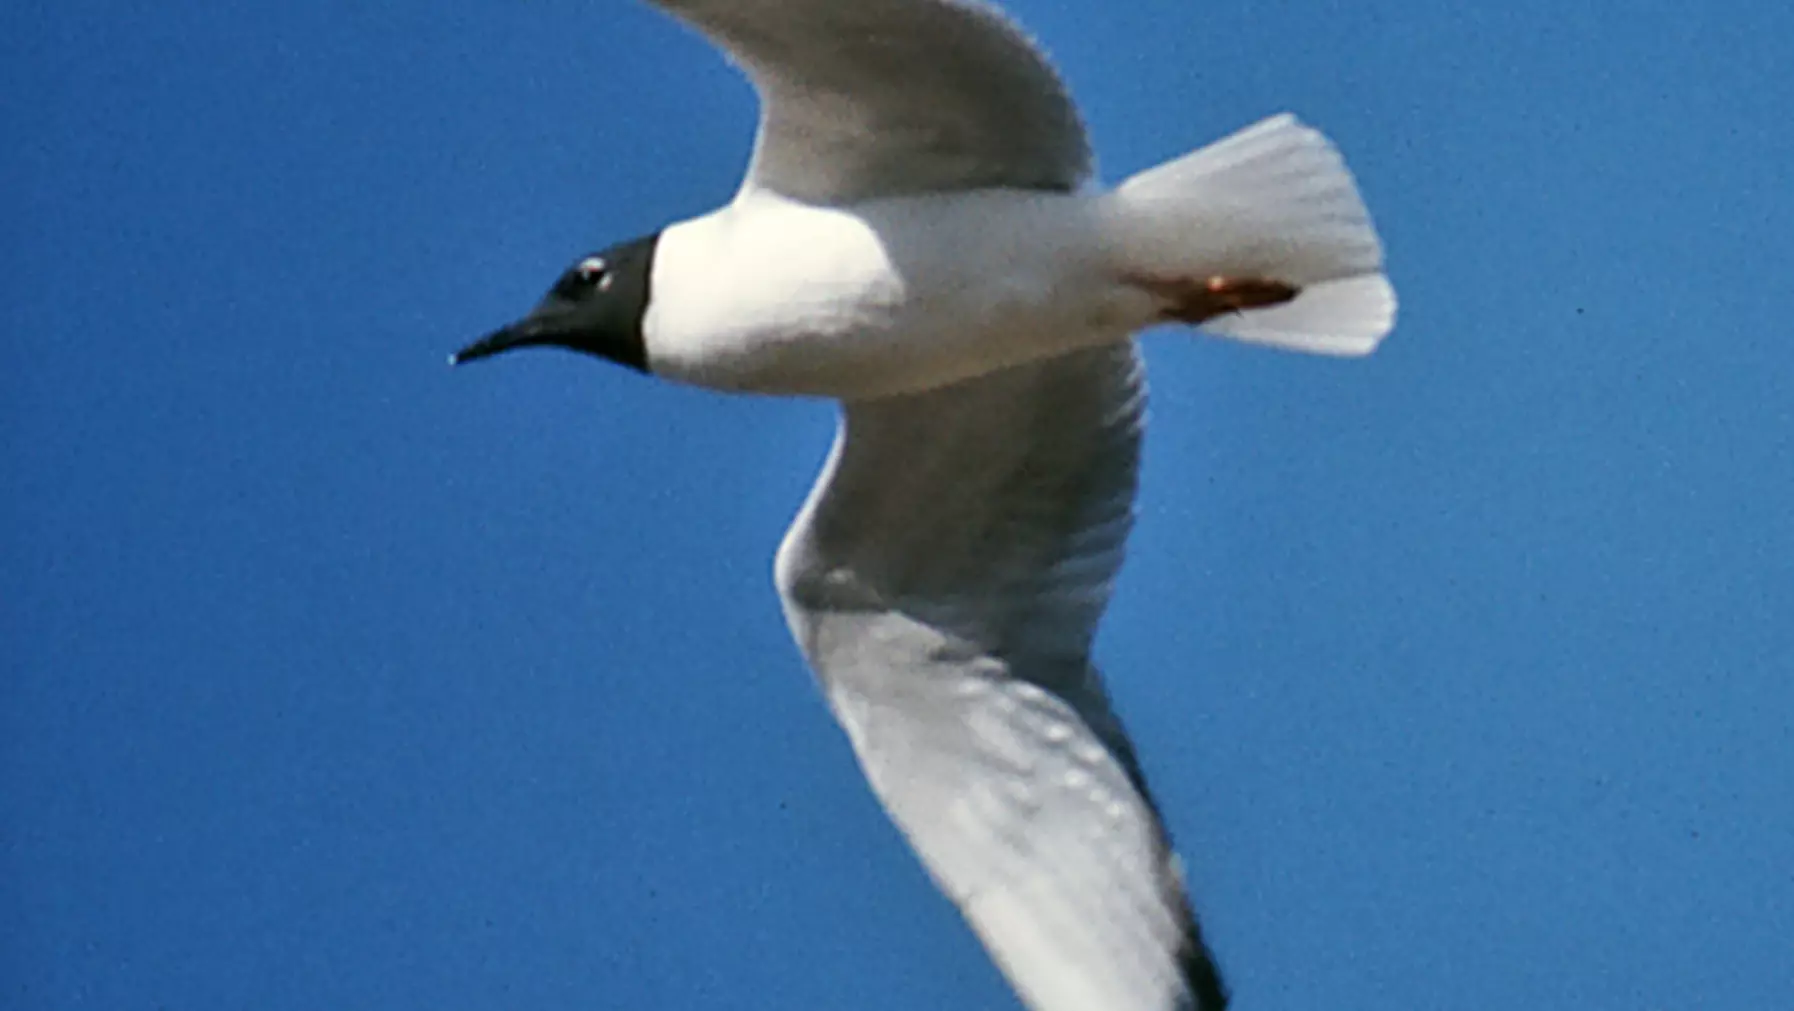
x=915 y=237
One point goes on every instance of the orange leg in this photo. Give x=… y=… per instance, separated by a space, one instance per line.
x=1193 y=302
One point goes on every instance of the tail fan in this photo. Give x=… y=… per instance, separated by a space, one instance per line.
x=1273 y=201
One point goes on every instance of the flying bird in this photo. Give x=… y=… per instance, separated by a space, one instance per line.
x=918 y=237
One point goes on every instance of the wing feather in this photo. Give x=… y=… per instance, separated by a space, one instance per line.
x=880 y=98
x=945 y=580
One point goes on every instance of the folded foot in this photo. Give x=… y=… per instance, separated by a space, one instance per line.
x=1195 y=301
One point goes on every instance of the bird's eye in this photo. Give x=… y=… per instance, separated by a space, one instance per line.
x=593 y=273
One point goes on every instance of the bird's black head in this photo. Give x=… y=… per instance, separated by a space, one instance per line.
x=596 y=307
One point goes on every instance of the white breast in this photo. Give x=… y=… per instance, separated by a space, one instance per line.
x=769 y=295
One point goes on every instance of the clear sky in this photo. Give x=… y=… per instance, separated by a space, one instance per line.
x=333 y=678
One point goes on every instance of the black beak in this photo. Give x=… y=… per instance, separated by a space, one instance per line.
x=520 y=334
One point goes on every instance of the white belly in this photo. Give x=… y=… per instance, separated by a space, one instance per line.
x=772 y=296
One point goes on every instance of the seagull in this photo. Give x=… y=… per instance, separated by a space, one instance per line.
x=918 y=237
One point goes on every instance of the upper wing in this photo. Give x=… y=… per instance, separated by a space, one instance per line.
x=879 y=98
x=945 y=580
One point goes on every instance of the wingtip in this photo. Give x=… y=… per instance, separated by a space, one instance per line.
x=1203 y=975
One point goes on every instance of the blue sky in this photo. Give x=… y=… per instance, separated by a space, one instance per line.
x=334 y=678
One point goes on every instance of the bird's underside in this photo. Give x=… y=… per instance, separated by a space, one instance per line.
x=947 y=575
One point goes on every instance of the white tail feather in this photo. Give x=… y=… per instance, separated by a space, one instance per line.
x=1273 y=201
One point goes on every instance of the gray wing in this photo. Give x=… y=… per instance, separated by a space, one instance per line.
x=878 y=98
x=944 y=580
